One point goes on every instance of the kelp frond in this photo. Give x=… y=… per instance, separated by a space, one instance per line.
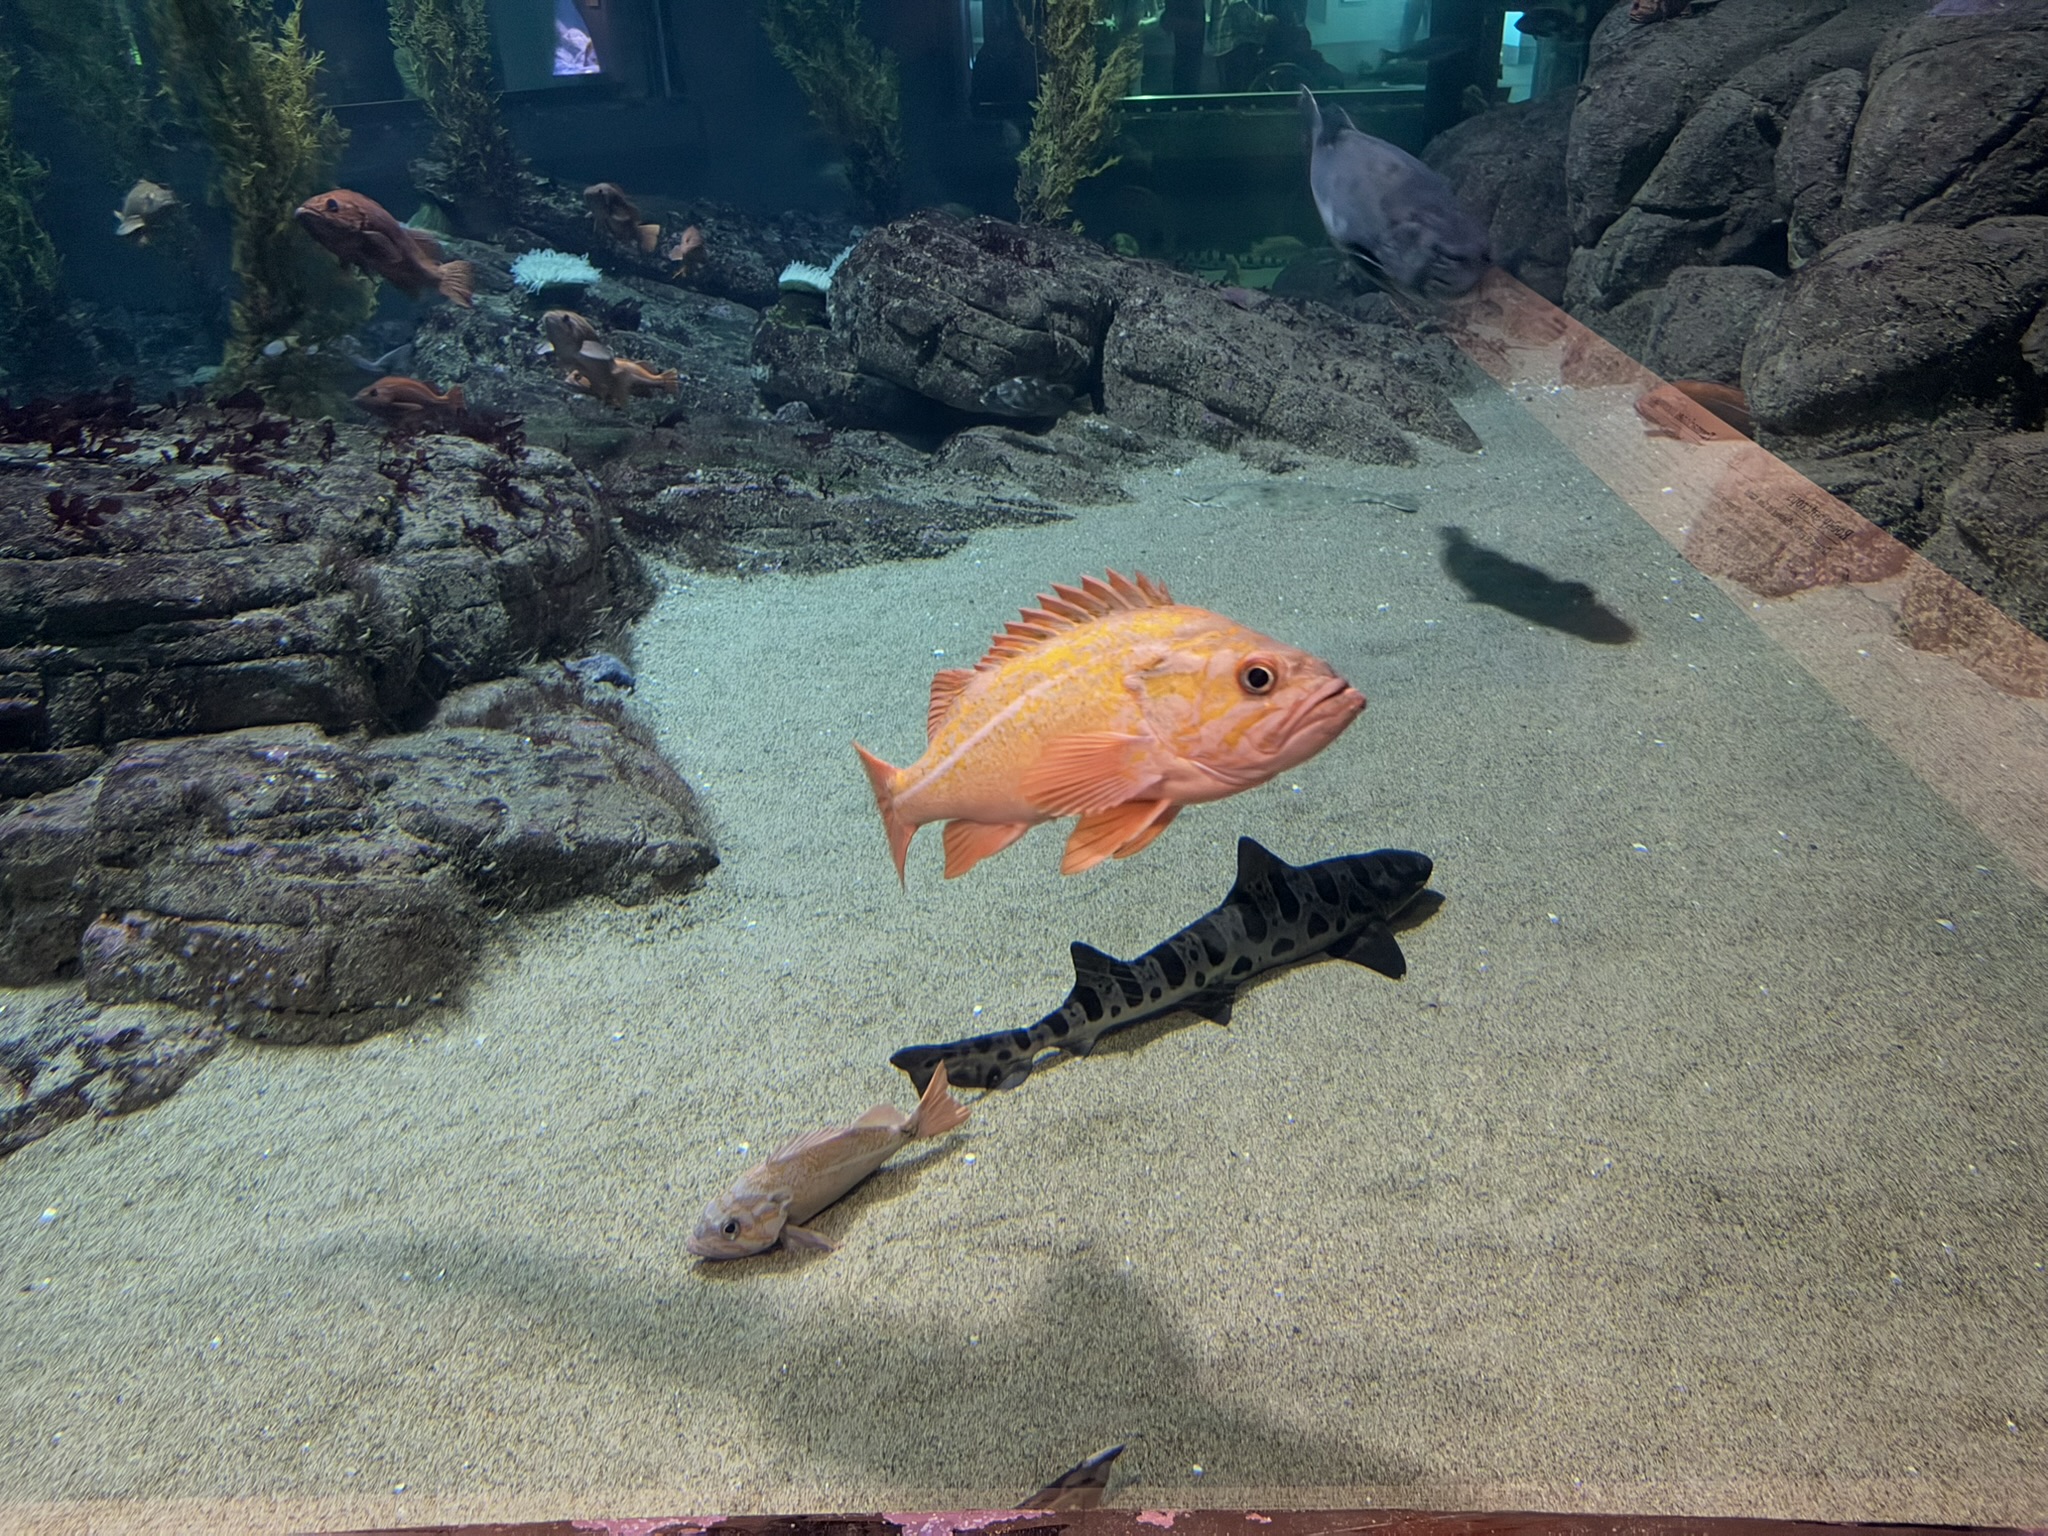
x=1075 y=113
x=851 y=88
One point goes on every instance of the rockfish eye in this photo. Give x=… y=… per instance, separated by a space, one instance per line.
x=1258 y=676
x=333 y=206
x=731 y=1228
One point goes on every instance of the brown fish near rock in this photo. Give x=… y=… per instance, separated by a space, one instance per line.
x=362 y=233
x=617 y=215
x=687 y=252
x=566 y=332
x=615 y=380
x=146 y=203
x=398 y=398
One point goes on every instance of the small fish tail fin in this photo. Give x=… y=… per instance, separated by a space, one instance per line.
x=938 y=1111
x=456 y=280
x=881 y=778
x=455 y=398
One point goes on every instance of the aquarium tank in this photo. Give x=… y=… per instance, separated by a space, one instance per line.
x=905 y=767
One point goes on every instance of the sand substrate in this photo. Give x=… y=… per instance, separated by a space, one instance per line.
x=1697 y=1165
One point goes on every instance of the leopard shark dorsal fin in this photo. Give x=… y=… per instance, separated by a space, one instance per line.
x=1255 y=862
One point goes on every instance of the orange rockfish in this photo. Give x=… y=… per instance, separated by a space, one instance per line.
x=1111 y=702
x=361 y=232
x=771 y=1200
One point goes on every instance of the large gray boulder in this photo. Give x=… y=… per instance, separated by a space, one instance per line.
x=1644 y=83
x=1813 y=157
x=1955 y=127
x=1713 y=197
x=1697 y=325
x=1507 y=166
x=1994 y=533
x=1889 y=358
x=951 y=309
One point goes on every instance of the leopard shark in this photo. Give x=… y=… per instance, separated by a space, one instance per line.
x=1276 y=915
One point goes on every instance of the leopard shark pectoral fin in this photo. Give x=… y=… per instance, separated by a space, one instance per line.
x=1374 y=948
x=1213 y=1005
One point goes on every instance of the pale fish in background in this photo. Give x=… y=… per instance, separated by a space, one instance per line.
x=143 y=208
x=772 y=1199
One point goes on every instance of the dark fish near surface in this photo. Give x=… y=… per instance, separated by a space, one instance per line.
x=361 y=232
x=1530 y=593
x=1026 y=396
x=1276 y=915
x=1079 y=1487
x=1390 y=210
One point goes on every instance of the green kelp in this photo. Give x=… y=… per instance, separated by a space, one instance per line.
x=851 y=88
x=28 y=261
x=444 y=54
x=1075 y=113
x=86 y=55
x=246 y=79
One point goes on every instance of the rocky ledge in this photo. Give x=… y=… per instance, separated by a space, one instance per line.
x=273 y=745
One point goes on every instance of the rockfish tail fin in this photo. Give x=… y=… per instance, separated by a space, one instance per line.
x=881 y=778
x=937 y=1110
x=455 y=397
x=456 y=280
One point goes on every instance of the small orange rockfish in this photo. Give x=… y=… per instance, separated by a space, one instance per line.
x=772 y=1199
x=361 y=232
x=1111 y=702
x=398 y=398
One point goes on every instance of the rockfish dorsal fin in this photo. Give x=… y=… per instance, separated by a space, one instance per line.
x=946 y=686
x=1068 y=606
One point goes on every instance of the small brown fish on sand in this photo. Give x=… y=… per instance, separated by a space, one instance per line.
x=1672 y=410
x=362 y=233
x=397 y=398
x=143 y=208
x=772 y=1199
x=1724 y=400
x=615 y=214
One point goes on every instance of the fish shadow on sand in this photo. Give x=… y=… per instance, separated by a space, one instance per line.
x=1114 y=1355
x=839 y=1222
x=1128 y=1042
x=1529 y=592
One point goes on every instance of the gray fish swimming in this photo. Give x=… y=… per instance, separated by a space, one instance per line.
x=1391 y=211
x=1276 y=915
x=1026 y=397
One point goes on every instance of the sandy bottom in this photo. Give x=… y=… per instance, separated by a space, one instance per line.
x=1698 y=1164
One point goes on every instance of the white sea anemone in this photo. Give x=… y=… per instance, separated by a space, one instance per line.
x=802 y=277
x=537 y=270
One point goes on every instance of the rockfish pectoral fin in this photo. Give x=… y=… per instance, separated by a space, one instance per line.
x=1089 y=772
x=1116 y=833
x=796 y=1239
x=1375 y=949
x=457 y=281
x=969 y=842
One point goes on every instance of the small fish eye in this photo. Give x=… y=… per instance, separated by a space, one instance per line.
x=333 y=205
x=731 y=1229
x=1257 y=676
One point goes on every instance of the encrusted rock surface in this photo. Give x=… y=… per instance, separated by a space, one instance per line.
x=1889 y=358
x=173 y=572
x=1994 y=532
x=948 y=309
x=1695 y=326
x=298 y=887
x=1508 y=167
